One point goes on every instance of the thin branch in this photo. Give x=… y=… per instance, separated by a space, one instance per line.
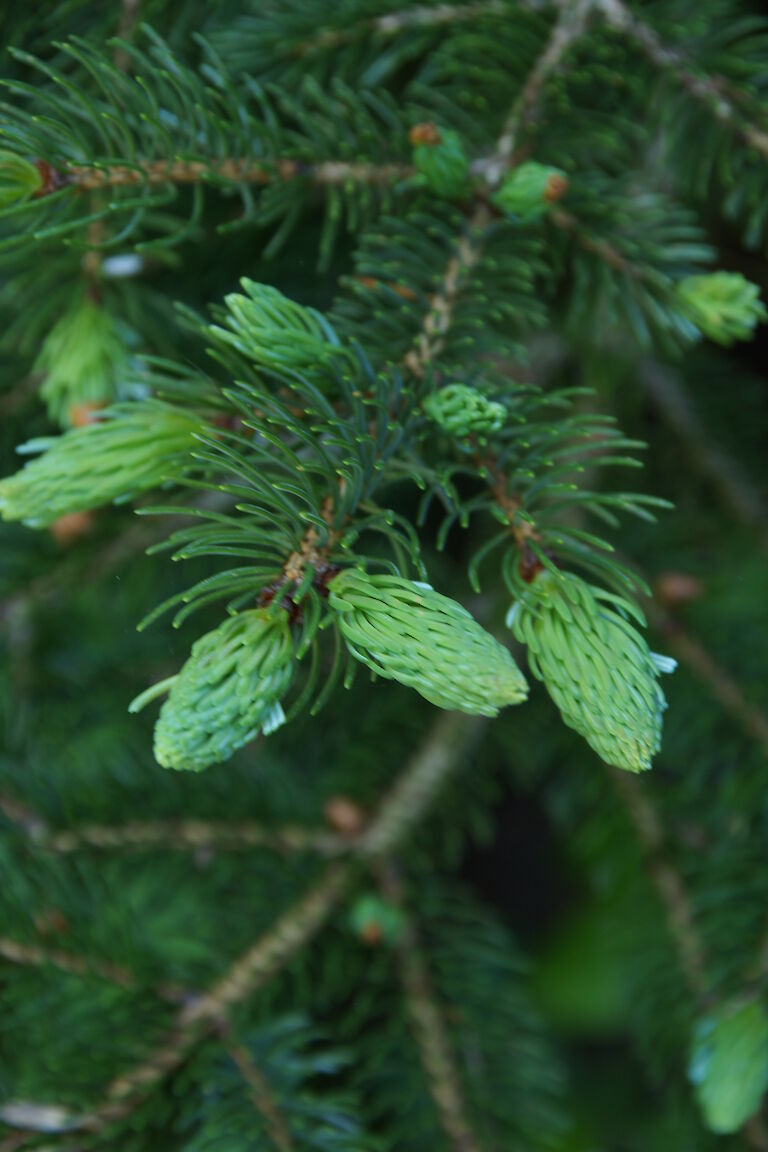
x=408 y=803
x=437 y=323
x=129 y=15
x=190 y=835
x=263 y=1098
x=394 y=23
x=86 y=178
x=667 y=880
x=732 y=487
x=569 y=27
x=37 y=957
x=448 y=744
x=428 y=1024
x=469 y=247
x=708 y=89
x=602 y=248
x=722 y=685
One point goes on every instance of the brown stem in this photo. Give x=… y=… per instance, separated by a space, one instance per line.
x=722 y=685
x=602 y=248
x=430 y=342
x=407 y=804
x=667 y=880
x=84 y=178
x=710 y=90
x=35 y=956
x=191 y=835
x=394 y=23
x=427 y=1023
x=732 y=487
x=263 y=1099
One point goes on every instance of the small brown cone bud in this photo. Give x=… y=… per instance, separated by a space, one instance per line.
x=344 y=816
x=51 y=921
x=555 y=188
x=67 y=529
x=371 y=934
x=81 y=414
x=674 y=588
x=426 y=133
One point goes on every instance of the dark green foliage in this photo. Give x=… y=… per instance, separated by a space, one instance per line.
x=378 y=363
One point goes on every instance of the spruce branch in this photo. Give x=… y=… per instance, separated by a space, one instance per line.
x=734 y=490
x=470 y=244
x=85 y=178
x=33 y=955
x=190 y=836
x=427 y=1020
x=606 y=251
x=442 y=753
x=263 y=1098
x=710 y=90
x=568 y=28
x=725 y=689
x=397 y=22
x=667 y=880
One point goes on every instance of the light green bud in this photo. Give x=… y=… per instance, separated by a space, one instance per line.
x=276 y=332
x=84 y=359
x=132 y=448
x=408 y=632
x=20 y=179
x=375 y=920
x=729 y=1064
x=227 y=692
x=529 y=190
x=463 y=411
x=723 y=305
x=596 y=666
x=441 y=161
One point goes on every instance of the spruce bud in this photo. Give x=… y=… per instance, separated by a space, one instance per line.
x=724 y=306
x=408 y=632
x=440 y=160
x=84 y=358
x=276 y=332
x=529 y=190
x=227 y=692
x=463 y=411
x=595 y=665
x=375 y=920
x=133 y=448
x=20 y=179
x=729 y=1064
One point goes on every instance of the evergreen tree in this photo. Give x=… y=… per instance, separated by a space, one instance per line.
x=351 y=303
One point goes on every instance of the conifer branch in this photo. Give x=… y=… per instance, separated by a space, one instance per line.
x=722 y=685
x=129 y=15
x=263 y=1098
x=86 y=178
x=22 y=815
x=31 y=955
x=667 y=880
x=568 y=28
x=191 y=835
x=443 y=752
x=734 y=490
x=427 y=1022
x=446 y=747
x=430 y=342
x=395 y=23
x=711 y=90
x=601 y=248
x=469 y=247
